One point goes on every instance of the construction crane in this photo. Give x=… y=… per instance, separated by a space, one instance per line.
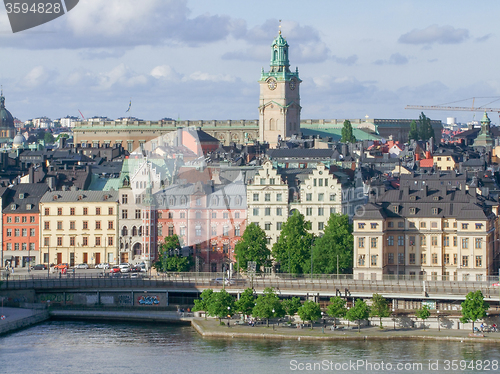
x=458 y=108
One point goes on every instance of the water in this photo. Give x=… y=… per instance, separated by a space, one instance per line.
x=79 y=347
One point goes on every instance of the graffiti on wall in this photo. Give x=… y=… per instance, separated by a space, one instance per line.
x=125 y=299
x=148 y=300
x=56 y=297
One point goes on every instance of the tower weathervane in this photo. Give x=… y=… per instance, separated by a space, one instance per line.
x=280 y=28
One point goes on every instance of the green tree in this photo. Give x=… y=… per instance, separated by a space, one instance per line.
x=309 y=311
x=48 y=137
x=474 y=307
x=337 y=242
x=347 y=135
x=221 y=304
x=293 y=248
x=423 y=313
x=358 y=312
x=201 y=304
x=291 y=306
x=336 y=308
x=268 y=306
x=170 y=258
x=425 y=128
x=379 y=308
x=246 y=302
x=413 y=134
x=252 y=247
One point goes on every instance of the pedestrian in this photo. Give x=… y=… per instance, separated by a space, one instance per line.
x=482 y=327
x=494 y=327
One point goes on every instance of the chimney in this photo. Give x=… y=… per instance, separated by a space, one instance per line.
x=417 y=156
x=428 y=154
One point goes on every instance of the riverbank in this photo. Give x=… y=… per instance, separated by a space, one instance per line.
x=212 y=329
x=18 y=318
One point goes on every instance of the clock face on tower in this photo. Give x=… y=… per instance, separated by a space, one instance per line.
x=293 y=84
x=271 y=83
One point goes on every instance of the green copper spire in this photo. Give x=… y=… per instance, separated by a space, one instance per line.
x=279 y=57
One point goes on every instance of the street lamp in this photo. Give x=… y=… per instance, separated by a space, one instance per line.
x=439 y=326
x=394 y=317
x=228 y=315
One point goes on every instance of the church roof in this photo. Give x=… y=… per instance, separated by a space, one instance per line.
x=6 y=119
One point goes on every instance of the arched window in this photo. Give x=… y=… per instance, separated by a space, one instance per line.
x=271 y=124
x=124 y=231
x=140 y=230
x=134 y=231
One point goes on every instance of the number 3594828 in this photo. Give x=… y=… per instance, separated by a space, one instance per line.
x=41 y=7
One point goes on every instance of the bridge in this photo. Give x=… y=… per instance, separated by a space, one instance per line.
x=183 y=288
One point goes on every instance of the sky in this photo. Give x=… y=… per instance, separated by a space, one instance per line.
x=201 y=59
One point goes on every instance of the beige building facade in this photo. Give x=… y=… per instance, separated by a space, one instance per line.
x=79 y=227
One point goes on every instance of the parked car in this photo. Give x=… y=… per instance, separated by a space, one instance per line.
x=135 y=275
x=61 y=266
x=102 y=265
x=82 y=266
x=124 y=268
x=115 y=269
x=226 y=281
x=40 y=267
x=137 y=269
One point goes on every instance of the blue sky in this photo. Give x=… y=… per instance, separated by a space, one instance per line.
x=201 y=59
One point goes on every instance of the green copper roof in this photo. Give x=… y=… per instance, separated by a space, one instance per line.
x=486 y=118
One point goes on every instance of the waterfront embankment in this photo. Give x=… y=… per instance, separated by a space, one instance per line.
x=18 y=318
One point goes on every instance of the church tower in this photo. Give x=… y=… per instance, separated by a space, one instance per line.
x=279 y=101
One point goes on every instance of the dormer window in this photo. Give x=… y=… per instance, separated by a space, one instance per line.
x=413 y=198
x=21 y=196
x=13 y=207
x=435 y=211
x=436 y=198
x=413 y=210
x=80 y=197
x=29 y=206
x=395 y=209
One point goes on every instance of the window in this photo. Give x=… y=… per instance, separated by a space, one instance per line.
x=321 y=197
x=401 y=258
x=198 y=230
x=137 y=214
x=465 y=261
x=24 y=219
x=170 y=231
x=198 y=215
x=16 y=246
x=183 y=231
x=255 y=197
x=71 y=211
x=434 y=258
x=97 y=241
x=412 y=240
x=59 y=211
x=237 y=231
x=97 y=211
x=333 y=210
x=85 y=225
x=434 y=240
x=434 y=211
x=309 y=211
x=373 y=259
x=85 y=211
x=321 y=225
x=271 y=181
x=124 y=199
x=267 y=226
x=446 y=258
x=373 y=225
x=124 y=214
x=401 y=224
x=9 y=219
x=25 y=232
x=267 y=197
x=225 y=215
x=395 y=208
x=9 y=232
x=32 y=219
x=390 y=224
x=390 y=258
x=361 y=242
x=262 y=181
x=110 y=211
x=59 y=241
x=423 y=258
x=361 y=260
x=454 y=241
x=97 y=225
x=434 y=225
x=279 y=197
x=110 y=240
x=225 y=230
x=72 y=225
x=423 y=225
x=479 y=261
x=479 y=226
x=309 y=196
x=46 y=225
x=182 y=215
x=401 y=240
x=320 y=182
x=321 y=211
x=16 y=219
x=413 y=210
x=361 y=226
x=267 y=211
x=46 y=241
x=478 y=242
x=47 y=211
x=32 y=232
x=412 y=258
x=412 y=225
x=446 y=241
x=454 y=225
x=59 y=225
x=465 y=226
x=279 y=211
x=373 y=242
x=465 y=243
x=446 y=224
x=255 y=211
x=390 y=240
x=110 y=225
x=332 y=197
x=198 y=201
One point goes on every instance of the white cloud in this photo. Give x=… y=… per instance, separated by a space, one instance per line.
x=165 y=72
x=200 y=76
x=37 y=77
x=435 y=34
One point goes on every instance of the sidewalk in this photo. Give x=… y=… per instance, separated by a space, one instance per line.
x=211 y=328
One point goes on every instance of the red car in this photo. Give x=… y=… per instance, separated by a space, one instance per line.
x=61 y=266
x=115 y=269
